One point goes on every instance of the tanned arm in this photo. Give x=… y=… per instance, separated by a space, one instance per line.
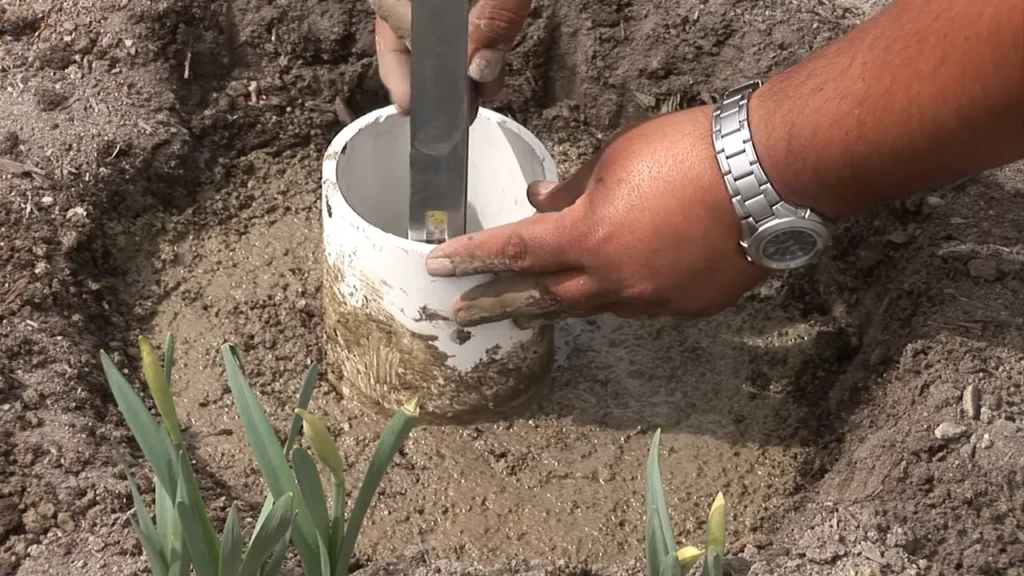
x=922 y=95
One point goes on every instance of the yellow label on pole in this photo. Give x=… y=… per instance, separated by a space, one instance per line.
x=436 y=226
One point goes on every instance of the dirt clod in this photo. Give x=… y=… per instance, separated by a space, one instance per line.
x=984 y=268
x=950 y=431
x=49 y=98
x=971 y=402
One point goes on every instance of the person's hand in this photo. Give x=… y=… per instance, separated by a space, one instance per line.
x=645 y=228
x=493 y=28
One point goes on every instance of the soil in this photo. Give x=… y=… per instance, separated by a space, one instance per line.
x=160 y=173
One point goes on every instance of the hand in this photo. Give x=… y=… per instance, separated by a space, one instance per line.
x=493 y=28
x=645 y=228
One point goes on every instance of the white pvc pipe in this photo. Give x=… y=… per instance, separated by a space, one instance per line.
x=388 y=330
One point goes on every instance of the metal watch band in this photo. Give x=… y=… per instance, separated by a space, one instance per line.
x=753 y=197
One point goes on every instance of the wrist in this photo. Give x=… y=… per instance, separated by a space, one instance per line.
x=775 y=233
x=794 y=158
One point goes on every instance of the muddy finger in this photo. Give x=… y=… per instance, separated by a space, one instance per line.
x=538 y=244
x=504 y=299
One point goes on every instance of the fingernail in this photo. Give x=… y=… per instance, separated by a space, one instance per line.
x=542 y=187
x=440 y=267
x=486 y=64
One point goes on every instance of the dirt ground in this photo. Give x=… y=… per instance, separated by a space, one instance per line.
x=168 y=180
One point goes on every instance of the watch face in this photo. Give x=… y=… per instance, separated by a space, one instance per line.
x=789 y=246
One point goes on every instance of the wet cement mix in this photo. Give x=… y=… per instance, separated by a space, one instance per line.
x=159 y=172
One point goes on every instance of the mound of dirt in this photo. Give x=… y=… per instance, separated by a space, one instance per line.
x=160 y=172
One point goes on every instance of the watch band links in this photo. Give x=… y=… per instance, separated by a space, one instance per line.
x=753 y=196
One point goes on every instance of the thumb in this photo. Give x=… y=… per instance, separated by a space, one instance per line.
x=548 y=196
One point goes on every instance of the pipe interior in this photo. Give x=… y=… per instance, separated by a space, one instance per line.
x=373 y=174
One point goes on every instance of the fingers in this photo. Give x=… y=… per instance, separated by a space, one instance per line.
x=502 y=299
x=538 y=244
x=528 y=299
x=395 y=62
x=548 y=196
x=493 y=28
x=398 y=16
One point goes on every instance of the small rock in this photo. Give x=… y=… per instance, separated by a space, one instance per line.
x=77 y=216
x=967 y=451
x=82 y=45
x=986 y=415
x=254 y=92
x=46 y=201
x=950 y=431
x=46 y=510
x=984 y=268
x=934 y=201
x=34 y=523
x=985 y=442
x=237 y=88
x=870 y=551
x=971 y=401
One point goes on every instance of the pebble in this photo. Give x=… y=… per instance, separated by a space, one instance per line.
x=950 y=431
x=985 y=442
x=971 y=400
x=65 y=523
x=986 y=415
x=967 y=451
x=984 y=268
x=934 y=202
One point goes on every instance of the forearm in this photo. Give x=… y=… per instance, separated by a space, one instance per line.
x=922 y=95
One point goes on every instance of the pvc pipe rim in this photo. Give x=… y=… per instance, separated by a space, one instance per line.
x=334 y=152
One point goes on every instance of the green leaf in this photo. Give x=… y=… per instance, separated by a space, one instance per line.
x=194 y=499
x=390 y=441
x=273 y=566
x=149 y=435
x=660 y=540
x=143 y=524
x=268 y=504
x=312 y=491
x=271 y=533
x=322 y=442
x=670 y=566
x=337 y=520
x=716 y=525
x=231 y=545
x=270 y=457
x=305 y=394
x=159 y=389
x=713 y=564
x=166 y=516
x=168 y=358
x=325 y=556
x=181 y=556
x=202 y=557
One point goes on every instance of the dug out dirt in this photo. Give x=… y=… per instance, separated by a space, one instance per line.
x=159 y=171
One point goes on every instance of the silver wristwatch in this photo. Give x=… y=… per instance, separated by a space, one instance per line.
x=774 y=233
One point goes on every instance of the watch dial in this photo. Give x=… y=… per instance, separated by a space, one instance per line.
x=789 y=246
